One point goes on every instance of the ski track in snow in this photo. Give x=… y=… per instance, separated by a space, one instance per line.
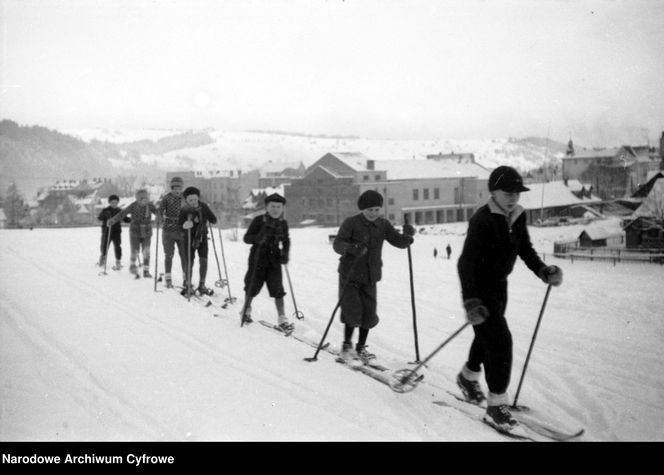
x=92 y=357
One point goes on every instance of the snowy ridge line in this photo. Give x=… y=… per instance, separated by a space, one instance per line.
x=50 y=347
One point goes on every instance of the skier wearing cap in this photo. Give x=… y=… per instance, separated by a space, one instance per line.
x=115 y=232
x=168 y=213
x=266 y=233
x=497 y=234
x=360 y=243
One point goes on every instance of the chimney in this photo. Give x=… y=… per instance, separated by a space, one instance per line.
x=371 y=164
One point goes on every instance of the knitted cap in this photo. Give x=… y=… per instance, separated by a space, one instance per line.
x=370 y=199
x=176 y=180
x=191 y=190
x=113 y=198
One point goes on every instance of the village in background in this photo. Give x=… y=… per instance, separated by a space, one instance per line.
x=571 y=186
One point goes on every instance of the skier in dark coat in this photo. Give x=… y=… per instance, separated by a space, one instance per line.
x=497 y=234
x=194 y=218
x=116 y=232
x=360 y=243
x=448 y=250
x=266 y=233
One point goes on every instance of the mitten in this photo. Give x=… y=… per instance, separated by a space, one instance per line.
x=284 y=258
x=408 y=230
x=357 y=250
x=476 y=312
x=552 y=275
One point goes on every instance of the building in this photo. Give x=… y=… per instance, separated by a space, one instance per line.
x=645 y=227
x=273 y=174
x=614 y=172
x=3 y=219
x=559 y=199
x=422 y=191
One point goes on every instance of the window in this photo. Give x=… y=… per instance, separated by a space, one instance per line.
x=330 y=203
x=391 y=217
x=416 y=195
x=390 y=201
x=377 y=177
x=365 y=178
x=436 y=193
x=425 y=194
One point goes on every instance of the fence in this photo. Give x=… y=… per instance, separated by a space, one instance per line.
x=612 y=254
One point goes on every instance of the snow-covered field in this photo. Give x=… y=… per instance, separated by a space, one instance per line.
x=85 y=357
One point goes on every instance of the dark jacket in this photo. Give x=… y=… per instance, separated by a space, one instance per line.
x=267 y=233
x=106 y=214
x=201 y=216
x=358 y=229
x=490 y=250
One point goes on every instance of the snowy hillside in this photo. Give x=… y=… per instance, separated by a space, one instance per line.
x=247 y=150
x=90 y=357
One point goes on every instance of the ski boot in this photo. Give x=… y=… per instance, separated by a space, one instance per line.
x=203 y=290
x=471 y=390
x=347 y=354
x=500 y=417
x=117 y=266
x=102 y=261
x=246 y=318
x=363 y=354
x=186 y=288
x=133 y=270
x=286 y=327
x=169 y=282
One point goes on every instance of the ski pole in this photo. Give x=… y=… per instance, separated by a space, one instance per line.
x=329 y=324
x=405 y=380
x=189 y=263
x=412 y=301
x=221 y=282
x=532 y=343
x=230 y=299
x=108 y=244
x=156 y=258
x=299 y=315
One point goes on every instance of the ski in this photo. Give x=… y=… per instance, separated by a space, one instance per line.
x=366 y=370
x=277 y=328
x=520 y=433
x=522 y=414
x=293 y=334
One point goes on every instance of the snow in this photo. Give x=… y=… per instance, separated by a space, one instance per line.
x=88 y=357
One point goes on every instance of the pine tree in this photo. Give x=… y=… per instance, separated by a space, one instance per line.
x=14 y=206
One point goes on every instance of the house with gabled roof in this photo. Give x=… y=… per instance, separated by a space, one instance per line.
x=419 y=190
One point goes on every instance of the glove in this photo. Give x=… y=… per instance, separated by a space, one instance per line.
x=476 y=312
x=284 y=258
x=408 y=230
x=357 y=250
x=188 y=224
x=552 y=275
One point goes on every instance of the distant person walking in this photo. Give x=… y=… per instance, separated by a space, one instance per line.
x=448 y=249
x=435 y=253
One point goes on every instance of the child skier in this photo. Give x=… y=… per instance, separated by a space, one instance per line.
x=169 y=214
x=497 y=233
x=115 y=232
x=194 y=218
x=265 y=233
x=360 y=243
x=140 y=229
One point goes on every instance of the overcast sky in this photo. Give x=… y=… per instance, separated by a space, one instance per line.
x=591 y=70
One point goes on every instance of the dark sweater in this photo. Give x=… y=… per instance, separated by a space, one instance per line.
x=274 y=231
x=106 y=214
x=490 y=250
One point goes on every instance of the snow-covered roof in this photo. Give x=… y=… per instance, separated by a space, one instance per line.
x=596 y=233
x=605 y=152
x=278 y=167
x=356 y=160
x=653 y=204
x=550 y=195
x=415 y=169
